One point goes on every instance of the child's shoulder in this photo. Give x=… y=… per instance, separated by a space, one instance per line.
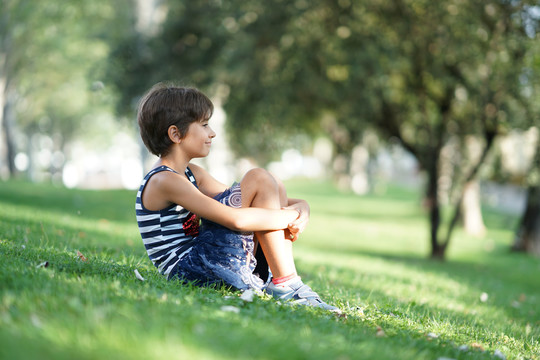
x=198 y=171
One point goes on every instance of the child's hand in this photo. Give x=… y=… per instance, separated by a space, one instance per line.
x=290 y=235
x=297 y=226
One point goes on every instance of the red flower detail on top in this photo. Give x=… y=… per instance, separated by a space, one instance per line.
x=191 y=225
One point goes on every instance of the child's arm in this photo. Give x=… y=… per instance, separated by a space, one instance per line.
x=207 y=184
x=297 y=226
x=176 y=188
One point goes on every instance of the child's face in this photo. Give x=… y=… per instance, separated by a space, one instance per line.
x=198 y=139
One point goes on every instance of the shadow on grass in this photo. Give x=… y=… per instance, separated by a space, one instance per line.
x=505 y=276
x=67 y=233
x=95 y=204
x=259 y=330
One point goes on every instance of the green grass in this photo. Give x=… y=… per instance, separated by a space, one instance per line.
x=366 y=254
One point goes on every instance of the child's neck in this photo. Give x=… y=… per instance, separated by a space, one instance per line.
x=175 y=161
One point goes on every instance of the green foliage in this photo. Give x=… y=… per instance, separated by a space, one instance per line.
x=417 y=70
x=364 y=254
x=54 y=63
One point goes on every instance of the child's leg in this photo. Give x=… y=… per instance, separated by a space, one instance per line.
x=260 y=189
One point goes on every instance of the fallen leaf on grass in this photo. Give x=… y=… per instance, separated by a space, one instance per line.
x=36 y=321
x=484 y=297
x=341 y=315
x=247 y=295
x=380 y=332
x=81 y=256
x=43 y=264
x=228 y=308
x=138 y=275
x=477 y=346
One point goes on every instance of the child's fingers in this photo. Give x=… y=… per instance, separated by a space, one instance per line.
x=299 y=224
x=291 y=235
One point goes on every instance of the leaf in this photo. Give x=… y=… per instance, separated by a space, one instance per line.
x=499 y=354
x=81 y=256
x=247 y=295
x=477 y=346
x=138 y=275
x=484 y=297
x=380 y=332
x=43 y=264
x=228 y=308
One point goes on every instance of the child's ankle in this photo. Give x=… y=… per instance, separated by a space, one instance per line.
x=284 y=280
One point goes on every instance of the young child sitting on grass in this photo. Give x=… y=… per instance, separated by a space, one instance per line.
x=236 y=222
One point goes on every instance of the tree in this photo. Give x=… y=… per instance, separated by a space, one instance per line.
x=527 y=238
x=425 y=73
x=448 y=77
x=49 y=55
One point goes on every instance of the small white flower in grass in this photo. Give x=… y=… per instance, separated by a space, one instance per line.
x=138 y=275
x=247 y=295
x=484 y=297
x=499 y=354
x=23 y=246
x=463 y=348
x=432 y=335
x=228 y=308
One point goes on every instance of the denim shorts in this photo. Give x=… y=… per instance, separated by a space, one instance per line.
x=221 y=256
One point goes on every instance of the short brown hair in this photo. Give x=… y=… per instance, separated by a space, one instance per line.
x=165 y=105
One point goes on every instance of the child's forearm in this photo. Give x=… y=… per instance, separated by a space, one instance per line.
x=259 y=219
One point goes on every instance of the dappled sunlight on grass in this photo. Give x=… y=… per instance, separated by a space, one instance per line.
x=367 y=254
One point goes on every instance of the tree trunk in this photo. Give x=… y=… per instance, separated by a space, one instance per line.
x=7 y=129
x=358 y=170
x=528 y=234
x=432 y=203
x=471 y=210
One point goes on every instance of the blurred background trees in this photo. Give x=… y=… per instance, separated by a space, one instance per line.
x=444 y=81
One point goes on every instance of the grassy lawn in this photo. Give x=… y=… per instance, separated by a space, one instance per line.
x=366 y=254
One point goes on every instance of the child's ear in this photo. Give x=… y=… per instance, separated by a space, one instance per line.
x=174 y=134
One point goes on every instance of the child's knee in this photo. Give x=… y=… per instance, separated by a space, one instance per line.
x=261 y=179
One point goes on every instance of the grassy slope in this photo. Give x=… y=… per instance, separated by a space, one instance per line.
x=366 y=254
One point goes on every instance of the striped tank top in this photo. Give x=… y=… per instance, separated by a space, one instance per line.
x=167 y=234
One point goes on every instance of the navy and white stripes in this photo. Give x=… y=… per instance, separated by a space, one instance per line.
x=167 y=234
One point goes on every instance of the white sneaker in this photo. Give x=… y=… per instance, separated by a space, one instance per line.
x=299 y=293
